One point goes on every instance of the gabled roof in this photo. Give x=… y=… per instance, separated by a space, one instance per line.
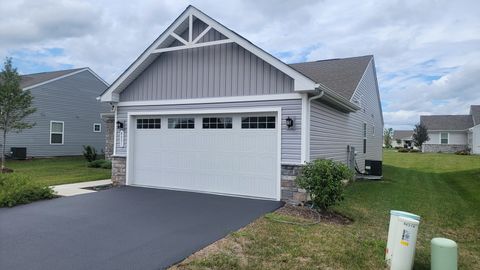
x=475 y=112
x=160 y=45
x=340 y=75
x=29 y=81
x=447 y=122
x=402 y=134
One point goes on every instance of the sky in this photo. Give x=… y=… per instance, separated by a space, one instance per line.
x=427 y=53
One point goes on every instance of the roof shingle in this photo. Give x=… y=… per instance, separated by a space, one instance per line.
x=475 y=112
x=340 y=75
x=447 y=122
x=402 y=134
x=36 y=78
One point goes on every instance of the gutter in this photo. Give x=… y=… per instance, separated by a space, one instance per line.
x=319 y=94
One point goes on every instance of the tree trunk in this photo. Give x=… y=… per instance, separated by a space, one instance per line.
x=3 y=149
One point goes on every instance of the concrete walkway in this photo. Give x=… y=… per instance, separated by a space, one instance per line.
x=79 y=188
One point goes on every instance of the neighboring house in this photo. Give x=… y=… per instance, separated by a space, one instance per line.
x=451 y=133
x=205 y=110
x=402 y=138
x=67 y=116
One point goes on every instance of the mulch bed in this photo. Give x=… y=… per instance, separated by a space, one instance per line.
x=309 y=214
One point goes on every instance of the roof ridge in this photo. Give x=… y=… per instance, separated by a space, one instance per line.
x=332 y=59
x=44 y=72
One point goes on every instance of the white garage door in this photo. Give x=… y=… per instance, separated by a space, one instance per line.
x=228 y=154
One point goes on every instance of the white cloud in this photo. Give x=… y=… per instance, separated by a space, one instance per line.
x=426 y=52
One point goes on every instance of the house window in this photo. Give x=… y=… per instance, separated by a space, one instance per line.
x=97 y=127
x=364 y=138
x=217 y=122
x=444 y=138
x=148 y=123
x=181 y=123
x=254 y=122
x=56 y=132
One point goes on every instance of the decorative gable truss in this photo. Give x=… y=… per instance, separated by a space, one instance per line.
x=194 y=29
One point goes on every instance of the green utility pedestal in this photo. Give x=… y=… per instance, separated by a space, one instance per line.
x=444 y=254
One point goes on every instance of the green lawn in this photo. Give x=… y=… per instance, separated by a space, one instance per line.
x=444 y=189
x=55 y=171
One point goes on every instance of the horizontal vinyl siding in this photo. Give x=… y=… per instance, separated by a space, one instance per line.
x=454 y=137
x=213 y=71
x=291 y=138
x=332 y=131
x=72 y=100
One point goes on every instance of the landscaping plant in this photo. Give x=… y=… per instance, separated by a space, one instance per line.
x=89 y=153
x=17 y=189
x=322 y=179
x=420 y=135
x=387 y=137
x=15 y=104
x=100 y=163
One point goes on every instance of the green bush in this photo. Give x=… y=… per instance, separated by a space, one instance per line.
x=17 y=189
x=322 y=179
x=89 y=153
x=414 y=151
x=403 y=150
x=100 y=163
x=465 y=152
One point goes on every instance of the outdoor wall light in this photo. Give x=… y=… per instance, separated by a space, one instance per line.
x=119 y=125
x=289 y=122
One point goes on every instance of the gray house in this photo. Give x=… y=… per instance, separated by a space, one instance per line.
x=67 y=116
x=451 y=133
x=203 y=109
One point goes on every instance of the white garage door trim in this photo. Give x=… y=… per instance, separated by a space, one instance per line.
x=131 y=128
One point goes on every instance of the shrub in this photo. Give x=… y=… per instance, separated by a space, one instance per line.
x=322 y=179
x=414 y=151
x=100 y=163
x=89 y=153
x=465 y=152
x=16 y=189
x=403 y=150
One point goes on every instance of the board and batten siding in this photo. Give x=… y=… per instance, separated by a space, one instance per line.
x=72 y=100
x=214 y=71
x=291 y=138
x=331 y=131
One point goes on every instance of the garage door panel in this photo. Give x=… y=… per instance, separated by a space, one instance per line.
x=229 y=161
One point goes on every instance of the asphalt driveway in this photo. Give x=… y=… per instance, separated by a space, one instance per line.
x=120 y=228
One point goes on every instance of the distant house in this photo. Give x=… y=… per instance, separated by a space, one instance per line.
x=402 y=138
x=451 y=133
x=67 y=116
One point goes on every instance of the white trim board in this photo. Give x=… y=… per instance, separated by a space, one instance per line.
x=301 y=82
x=210 y=100
x=65 y=76
x=131 y=128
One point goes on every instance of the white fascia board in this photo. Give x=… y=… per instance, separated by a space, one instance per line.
x=210 y=100
x=207 y=111
x=301 y=82
x=55 y=79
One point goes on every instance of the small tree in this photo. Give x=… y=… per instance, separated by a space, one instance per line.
x=387 y=137
x=322 y=179
x=15 y=104
x=420 y=135
x=89 y=153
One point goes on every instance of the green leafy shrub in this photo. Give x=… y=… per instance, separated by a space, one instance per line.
x=89 y=153
x=465 y=152
x=100 y=163
x=17 y=189
x=322 y=179
x=403 y=150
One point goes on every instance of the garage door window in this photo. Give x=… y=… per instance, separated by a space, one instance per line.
x=254 y=122
x=181 y=123
x=150 y=123
x=217 y=123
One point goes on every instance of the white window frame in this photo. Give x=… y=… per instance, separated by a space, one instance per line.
x=448 y=137
x=63 y=132
x=99 y=124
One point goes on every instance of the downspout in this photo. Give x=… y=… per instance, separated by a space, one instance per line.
x=309 y=104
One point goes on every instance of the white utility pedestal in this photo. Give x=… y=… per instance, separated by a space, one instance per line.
x=402 y=236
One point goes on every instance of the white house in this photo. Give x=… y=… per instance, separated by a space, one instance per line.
x=203 y=109
x=451 y=133
x=402 y=138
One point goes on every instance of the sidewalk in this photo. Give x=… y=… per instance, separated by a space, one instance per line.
x=79 y=188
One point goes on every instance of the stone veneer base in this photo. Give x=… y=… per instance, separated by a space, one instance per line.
x=119 y=167
x=444 y=148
